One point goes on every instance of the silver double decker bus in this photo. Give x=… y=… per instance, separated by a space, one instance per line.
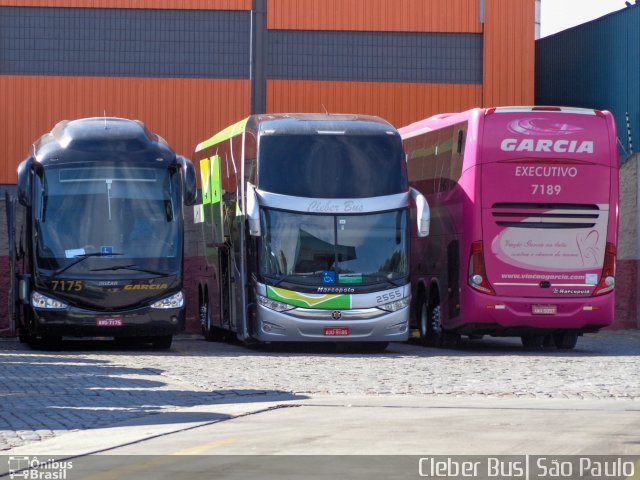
x=306 y=230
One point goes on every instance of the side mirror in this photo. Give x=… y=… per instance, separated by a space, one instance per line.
x=253 y=211
x=423 y=214
x=188 y=181
x=24 y=182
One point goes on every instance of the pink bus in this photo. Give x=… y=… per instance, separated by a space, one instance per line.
x=524 y=217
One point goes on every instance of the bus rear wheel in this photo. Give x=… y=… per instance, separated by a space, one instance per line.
x=209 y=332
x=565 y=339
x=431 y=332
x=429 y=325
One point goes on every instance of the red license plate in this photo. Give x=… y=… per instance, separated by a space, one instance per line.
x=544 y=309
x=109 y=321
x=336 y=332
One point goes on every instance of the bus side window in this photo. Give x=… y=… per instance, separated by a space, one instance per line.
x=455 y=171
x=445 y=154
x=430 y=170
x=250 y=154
x=460 y=143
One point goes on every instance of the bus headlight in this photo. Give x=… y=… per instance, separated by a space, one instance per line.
x=39 y=300
x=274 y=304
x=174 y=301
x=396 y=305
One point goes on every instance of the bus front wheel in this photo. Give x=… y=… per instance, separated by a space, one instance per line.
x=162 y=342
x=24 y=336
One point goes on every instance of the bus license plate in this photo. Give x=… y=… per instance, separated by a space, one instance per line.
x=109 y=321
x=544 y=309
x=336 y=332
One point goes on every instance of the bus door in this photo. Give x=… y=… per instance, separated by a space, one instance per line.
x=219 y=252
x=226 y=287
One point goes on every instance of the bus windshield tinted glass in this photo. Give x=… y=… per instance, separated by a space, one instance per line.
x=130 y=212
x=334 y=249
x=332 y=166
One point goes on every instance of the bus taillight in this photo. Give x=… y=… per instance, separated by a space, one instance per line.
x=607 y=280
x=477 y=271
x=546 y=109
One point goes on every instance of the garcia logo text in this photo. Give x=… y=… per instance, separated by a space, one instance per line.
x=546 y=145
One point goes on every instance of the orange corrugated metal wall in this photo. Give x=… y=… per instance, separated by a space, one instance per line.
x=398 y=103
x=508 y=56
x=151 y=4
x=375 y=15
x=174 y=107
x=183 y=111
x=509 y=53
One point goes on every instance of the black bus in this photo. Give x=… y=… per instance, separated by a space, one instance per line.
x=97 y=248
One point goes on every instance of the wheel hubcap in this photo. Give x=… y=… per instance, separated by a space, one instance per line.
x=424 y=321
x=203 y=315
x=436 y=325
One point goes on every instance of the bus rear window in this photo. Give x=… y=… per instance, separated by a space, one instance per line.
x=332 y=166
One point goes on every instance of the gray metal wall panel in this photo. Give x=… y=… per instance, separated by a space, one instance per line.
x=124 y=42
x=595 y=65
x=375 y=56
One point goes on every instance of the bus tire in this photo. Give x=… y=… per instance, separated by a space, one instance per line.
x=209 y=332
x=373 y=347
x=162 y=342
x=423 y=322
x=45 y=342
x=24 y=336
x=532 y=341
x=429 y=324
x=565 y=339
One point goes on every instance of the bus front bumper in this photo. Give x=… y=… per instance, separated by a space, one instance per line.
x=314 y=325
x=79 y=322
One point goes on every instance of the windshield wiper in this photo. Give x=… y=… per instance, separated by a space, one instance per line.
x=275 y=282
x=80 y=258
x=390 y=281
x=131 y=267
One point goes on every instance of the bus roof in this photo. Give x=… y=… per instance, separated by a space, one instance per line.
x=75 y=140
x=306 y=123
x=226 y=134
x=302 y=123
x=446 y=119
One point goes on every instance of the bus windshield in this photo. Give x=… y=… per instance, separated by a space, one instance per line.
x=124 y=218
x=332 y=166
x=322 y=250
